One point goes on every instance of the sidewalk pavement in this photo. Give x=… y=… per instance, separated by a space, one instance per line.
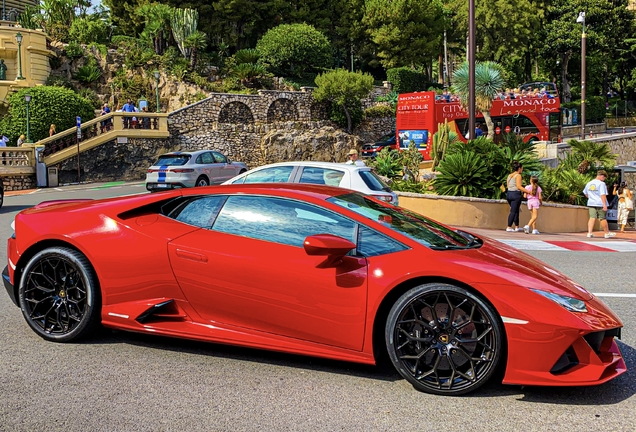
x=628 y=235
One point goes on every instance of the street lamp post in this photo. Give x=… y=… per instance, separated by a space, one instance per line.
x=18 y=38
x=581 y=20
x=27 y=98
x=157 y=88
x=471 y=69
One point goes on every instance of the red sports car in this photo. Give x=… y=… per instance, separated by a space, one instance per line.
x=309 y=270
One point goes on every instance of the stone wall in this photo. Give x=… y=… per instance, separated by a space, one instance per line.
x=573 y=131
x=270 y=127
x=19 y=182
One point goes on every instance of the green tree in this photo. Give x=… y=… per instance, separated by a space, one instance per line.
x=124 y=17
x=49 y=105
x=406 y=32
x=507 y=32
x=196 y=42
x=592 y=153
x=295 y=49
x=88 y=30
x=489 y=81
x=343 y=88
x=157 y=18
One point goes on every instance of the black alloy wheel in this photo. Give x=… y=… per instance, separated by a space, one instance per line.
x=59 y=295
x=202 y=181
x=444 y=339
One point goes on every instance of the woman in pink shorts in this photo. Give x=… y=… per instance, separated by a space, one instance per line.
x=533 y=194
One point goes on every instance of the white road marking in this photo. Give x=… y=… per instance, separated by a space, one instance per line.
x=532 y=245
x=619 y=295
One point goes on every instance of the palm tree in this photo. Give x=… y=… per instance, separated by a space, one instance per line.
x=196 y=41
x=157 y=23
x=592 y=153
x=488 y=82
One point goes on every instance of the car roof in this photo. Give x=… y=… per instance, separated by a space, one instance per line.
x=191 y=153
x=318 y=164
x=290 y=190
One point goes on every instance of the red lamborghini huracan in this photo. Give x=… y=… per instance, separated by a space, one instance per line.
x=310 y=270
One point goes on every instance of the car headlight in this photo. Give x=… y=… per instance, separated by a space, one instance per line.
x=569 y=303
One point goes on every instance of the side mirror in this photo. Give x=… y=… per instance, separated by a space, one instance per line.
x=327 y=245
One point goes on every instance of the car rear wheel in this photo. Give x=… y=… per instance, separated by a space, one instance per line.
x=59 y=295
x=202 y=181
x=443 y=339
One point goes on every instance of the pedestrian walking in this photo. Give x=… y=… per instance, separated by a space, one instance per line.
x=533 y=195
x=353 y=158
x=625 y=203
x=514 y=196
x=596 y=193
x=21 y=139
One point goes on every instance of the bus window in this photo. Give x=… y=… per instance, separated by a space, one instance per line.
x=555 y=127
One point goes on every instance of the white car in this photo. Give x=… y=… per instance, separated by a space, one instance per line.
x=190 y=169
x=358 y=178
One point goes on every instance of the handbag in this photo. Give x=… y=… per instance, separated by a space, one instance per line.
x=629 y=203
x=502 y=187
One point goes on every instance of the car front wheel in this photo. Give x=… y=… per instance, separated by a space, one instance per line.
x=59 y=295
x=443 y=339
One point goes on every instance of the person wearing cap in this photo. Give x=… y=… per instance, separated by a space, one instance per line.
x=353 y=158
x=596 y=193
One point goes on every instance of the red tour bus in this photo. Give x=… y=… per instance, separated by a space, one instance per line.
x=535 y=118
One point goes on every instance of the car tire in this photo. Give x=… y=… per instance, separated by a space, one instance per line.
x=202 y=181
x=242 y=171
x=444 y=339
x=59 y=295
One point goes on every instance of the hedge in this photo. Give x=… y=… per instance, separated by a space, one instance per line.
x=407 y=80
x=49 y=105
x=594 y=108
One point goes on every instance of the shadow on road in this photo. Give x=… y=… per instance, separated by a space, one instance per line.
x=610 y=393
x=13 y=208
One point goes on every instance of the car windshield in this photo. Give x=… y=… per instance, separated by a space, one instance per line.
x=173 y=160
x=373 y=181
x=415 y=226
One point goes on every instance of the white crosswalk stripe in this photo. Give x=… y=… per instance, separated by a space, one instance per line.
x=539 y=245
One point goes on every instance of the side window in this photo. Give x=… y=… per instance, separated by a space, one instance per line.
x=278 y=174
x=372 y=243
x=279 y=220
x=219 y=158
x=321 y=176
x=200 y=211
x=205 y=158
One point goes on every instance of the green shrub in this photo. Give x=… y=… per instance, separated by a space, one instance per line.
x=338 y=116
x=88 y=73
x=379 y=111
x=407 y=80
x=100 y=48
x=59 y=81
x=388 y=163
x=462 y=174
x=73 y=50
x=249 y=55
x=410 y=186
x=49 y=105
x=594 y=109
x=88 y=30
x=91 y=96
x=58 y=32
x=292 y=49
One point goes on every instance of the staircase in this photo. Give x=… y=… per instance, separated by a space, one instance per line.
x=102 y=130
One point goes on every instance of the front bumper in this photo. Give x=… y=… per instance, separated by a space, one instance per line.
x=548 y=354
x=8 y=285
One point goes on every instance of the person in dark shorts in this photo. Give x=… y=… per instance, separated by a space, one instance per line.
x=596 y=193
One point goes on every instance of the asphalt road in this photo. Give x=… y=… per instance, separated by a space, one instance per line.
x=128 y=382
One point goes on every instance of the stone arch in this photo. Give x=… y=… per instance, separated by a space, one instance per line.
x=282 y=110
x=236 y=112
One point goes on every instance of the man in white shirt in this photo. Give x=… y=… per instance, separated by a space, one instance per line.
x=353 y=158
x=596 y=193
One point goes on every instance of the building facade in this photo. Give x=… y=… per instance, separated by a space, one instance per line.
x=12 y=8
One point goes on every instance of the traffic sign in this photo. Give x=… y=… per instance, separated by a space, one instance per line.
x=78 y=121
x=497 y=130
x=507 y=129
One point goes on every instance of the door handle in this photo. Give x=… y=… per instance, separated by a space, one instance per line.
x=191 y=256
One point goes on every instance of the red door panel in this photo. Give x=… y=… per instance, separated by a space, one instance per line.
x=272 y=287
